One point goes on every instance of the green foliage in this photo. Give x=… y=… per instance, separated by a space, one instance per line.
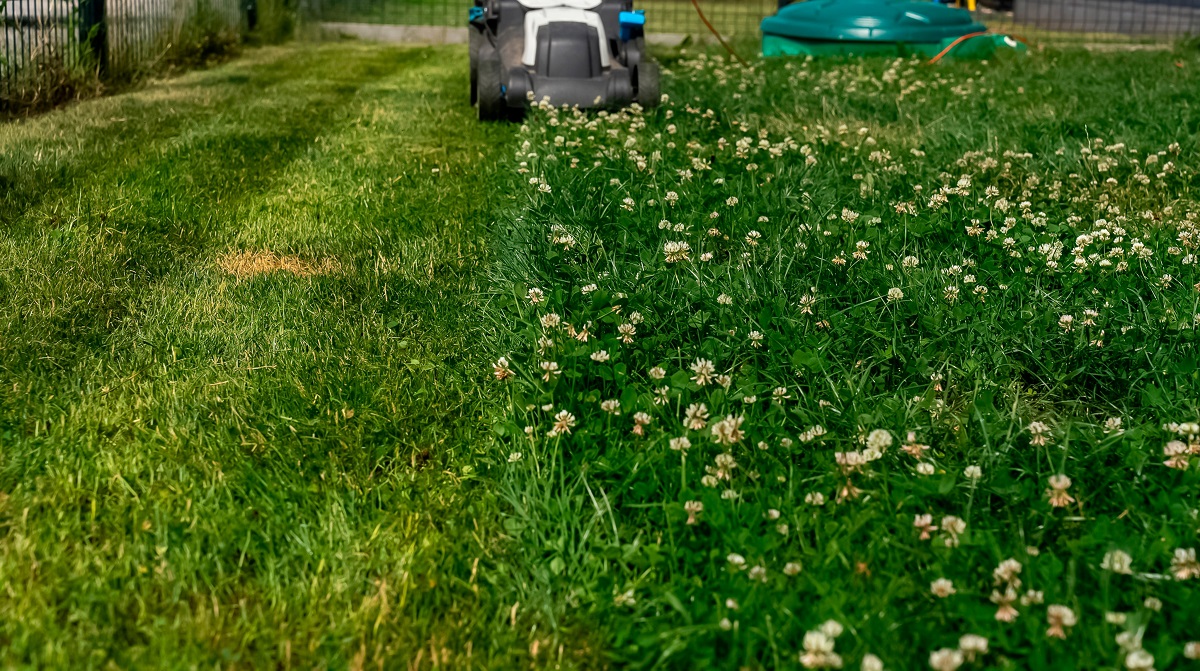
x=277 y=21
x=921 y=291
x=206 y=36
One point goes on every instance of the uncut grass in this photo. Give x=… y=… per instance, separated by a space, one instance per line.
x=602 y=509
x=255 y=468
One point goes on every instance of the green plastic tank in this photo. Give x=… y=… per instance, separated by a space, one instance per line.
x=885 y=27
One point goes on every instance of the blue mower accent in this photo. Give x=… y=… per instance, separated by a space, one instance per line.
x=585 y=53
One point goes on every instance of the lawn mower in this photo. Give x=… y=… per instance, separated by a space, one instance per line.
x=585 y=53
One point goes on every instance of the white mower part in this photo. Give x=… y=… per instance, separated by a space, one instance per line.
x=534 y=21
x=547 y=4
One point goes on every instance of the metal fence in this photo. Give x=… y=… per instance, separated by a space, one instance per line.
x=49 y=43
x=1064 y=20
x=1138 y=18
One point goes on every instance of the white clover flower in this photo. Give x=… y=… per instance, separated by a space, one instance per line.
x=501 y=369
x=946 y=659
x=1184 y=565
x=973 y=472
x=676 y=251
x=895 y=294
x=704 y=371
x=1139 y=660
x=831 y=628
x=972 y=645
x=1191 y=650
x=1060 y=618
x=728 y=431
x=818 y=652
x=1039 y=434
x=942 y=588
x=696 y=417
x=1117 y=561
x=879 y=440
x=680 y=444
x=563 y=423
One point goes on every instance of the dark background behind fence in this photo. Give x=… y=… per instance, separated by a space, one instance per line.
x=48 y=43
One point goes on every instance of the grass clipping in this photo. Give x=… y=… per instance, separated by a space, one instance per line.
x=246 y=264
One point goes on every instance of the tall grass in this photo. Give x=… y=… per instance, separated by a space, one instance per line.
x=825 y=363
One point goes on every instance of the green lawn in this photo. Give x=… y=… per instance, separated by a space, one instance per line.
x=254 y=414
x=203 y=469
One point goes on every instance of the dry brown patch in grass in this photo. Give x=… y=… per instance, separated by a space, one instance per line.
x=248 y=264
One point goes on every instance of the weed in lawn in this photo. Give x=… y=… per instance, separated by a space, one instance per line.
x=829 y=363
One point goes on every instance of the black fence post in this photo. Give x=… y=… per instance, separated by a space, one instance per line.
x=93 y=31
x=250 y=7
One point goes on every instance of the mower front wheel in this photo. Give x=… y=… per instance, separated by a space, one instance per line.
x=648 y=83
x=490 y=90
x=520 y=87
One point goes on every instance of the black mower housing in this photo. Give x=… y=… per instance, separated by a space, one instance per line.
x=585 y=53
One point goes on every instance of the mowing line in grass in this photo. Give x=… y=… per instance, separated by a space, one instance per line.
x=240 y=344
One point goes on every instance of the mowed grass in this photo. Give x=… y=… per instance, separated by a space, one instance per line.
x=240 y=352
